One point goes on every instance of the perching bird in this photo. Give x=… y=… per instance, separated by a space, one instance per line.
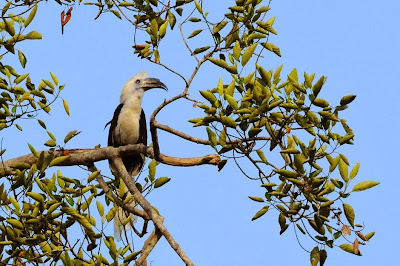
x=128 y=126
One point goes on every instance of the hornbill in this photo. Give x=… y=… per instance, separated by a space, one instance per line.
x=128 y=126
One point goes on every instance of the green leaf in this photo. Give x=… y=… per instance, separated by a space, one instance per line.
x=193 y=19
x=111 y=214
x=212 y=137
x=349 y=213
x=254 y=131
x=248 y=53
x=347 y=247
x=116 y=13
x=262 y=156
x=218 y=62
x=36 y=196
x=132 y=256
x=161 y=181
x=163 y=29
x=220 y=87
x=209 y=96
x=32 y=14
x=100 y=208
x=322 y=257
x=273 y=48
x=286 y=173
x=154 y=27
x=258 y=199
x=354 y=171
x=229 y=122
x=318 y=85
x=344 y=170
x=314 y=256
x=201 y=49
x=198 y=6
x=171 y=19
x=54 y=77
x=219 y=26
x=34 y=152
x=51 y=135
x=93 y=176
x=33 y=35
x=70 y=135
x=20 y=78
x=364 y=185
x=369 y=235
x=5 y=8
x=22 y=58
x=66 y=107
x=50 y=143
x=9 y=26
x=347 y=99
x=58 y=160
x=232 y=102
x=237 y=50
x=320 y=102
x=152 y=170
x=260 y=213
x=15 y=203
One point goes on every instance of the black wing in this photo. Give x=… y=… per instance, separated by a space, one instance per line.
x=134 y=164
x=143 y=129
x=112 y=141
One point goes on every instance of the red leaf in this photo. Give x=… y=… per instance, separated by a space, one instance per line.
x=65 y=18
x=68 y=16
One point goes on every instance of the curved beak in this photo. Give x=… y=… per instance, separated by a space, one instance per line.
x=151 y=83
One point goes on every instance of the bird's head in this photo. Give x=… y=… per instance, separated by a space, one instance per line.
x=138 y=84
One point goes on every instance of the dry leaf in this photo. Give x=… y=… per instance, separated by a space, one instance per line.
x=360 y=235
x=356 y=244
x=346 y=230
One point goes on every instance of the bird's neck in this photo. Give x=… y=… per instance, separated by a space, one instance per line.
x=134 y=104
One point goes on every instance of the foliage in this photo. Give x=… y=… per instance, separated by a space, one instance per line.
x=279 y=125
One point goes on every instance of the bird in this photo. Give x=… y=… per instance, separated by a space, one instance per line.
x=128 y=126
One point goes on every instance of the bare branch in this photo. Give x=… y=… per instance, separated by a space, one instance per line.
x=148 y=246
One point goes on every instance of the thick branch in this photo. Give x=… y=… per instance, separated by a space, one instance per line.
x=157 y=219
x=148 y=246
x=119 y=202
x=89 y=156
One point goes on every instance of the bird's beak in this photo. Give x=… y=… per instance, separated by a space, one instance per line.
x=151 y=83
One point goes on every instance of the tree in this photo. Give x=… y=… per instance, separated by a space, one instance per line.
x=279 y=126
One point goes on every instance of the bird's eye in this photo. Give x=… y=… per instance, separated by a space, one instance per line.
x=137 y=81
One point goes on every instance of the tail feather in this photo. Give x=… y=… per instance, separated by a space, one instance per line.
x=121 y=215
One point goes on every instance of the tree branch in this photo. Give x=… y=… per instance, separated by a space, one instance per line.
x=157 y=219
x=89 y=156
x=148 y=246
x=117 y=200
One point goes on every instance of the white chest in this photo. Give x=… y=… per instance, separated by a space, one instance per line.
x=128 y=125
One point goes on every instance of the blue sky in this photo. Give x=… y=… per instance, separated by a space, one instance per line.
x=354 y=43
